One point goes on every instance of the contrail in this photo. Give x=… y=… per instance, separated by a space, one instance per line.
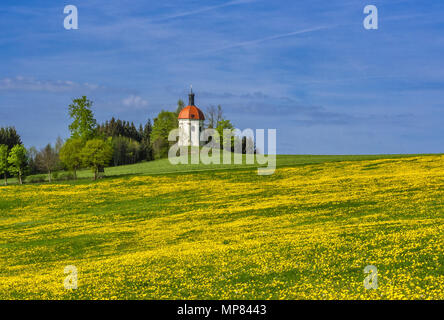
x=277 y=36
x=204 y=9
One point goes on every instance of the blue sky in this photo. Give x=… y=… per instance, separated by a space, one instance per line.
x=307 y=68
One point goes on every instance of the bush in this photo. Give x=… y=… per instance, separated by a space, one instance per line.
x=55 y=175
x=65 y=176
x=36 y=178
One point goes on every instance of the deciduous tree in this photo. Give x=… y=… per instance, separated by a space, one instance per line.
x=47 y=160
x=84 y=124
x=18 y=159
x=210 y=115
x=4 y=161
x=97 y=154
x=32 y=163
x=163 y=124
x=221 y=126
x=220 y=114
x=71 y=154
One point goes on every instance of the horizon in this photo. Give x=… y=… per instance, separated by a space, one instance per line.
x=309 y=70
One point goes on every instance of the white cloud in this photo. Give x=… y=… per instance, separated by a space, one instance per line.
x=134 y=101
x=31 y=84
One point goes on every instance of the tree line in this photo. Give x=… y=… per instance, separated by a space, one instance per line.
x=95 y=146
x=90 y=145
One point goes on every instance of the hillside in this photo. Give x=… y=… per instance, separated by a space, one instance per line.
x=163 y=166
x=305 y=232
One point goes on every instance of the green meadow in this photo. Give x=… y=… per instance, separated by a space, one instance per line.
x=163 y=166
x=158 y=231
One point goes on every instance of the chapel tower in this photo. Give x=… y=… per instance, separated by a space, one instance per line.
x=191 y=122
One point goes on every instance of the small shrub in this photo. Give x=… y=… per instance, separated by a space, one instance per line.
x=65 y=176
x=55 y=175
x=36 y=178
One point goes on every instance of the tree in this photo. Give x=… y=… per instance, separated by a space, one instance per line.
x=4 y=161
x=126 y=151
x=221 y=125
x=47 y=160
x=146 y=141
x=130 y=144
x=58 y=145
x=248 y=145
x=32 y=163
x=96 y=154
x=210 y=115
x=163 y=124
x=84 y=124
x=214 y=116
x=120 y=147
x=220 y=114
x=71 y=154
x=160 y=148
x=180 y=106
x=18 y=160
x=9 y=137
x=120 y=128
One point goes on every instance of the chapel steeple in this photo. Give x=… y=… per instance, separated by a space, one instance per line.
x=191 y=97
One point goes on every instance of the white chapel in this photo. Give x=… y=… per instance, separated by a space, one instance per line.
x=191 y=123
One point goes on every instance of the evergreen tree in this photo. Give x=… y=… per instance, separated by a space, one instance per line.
x=9 y=137
x=32 y=164
x=130 y=144
x=180 y=106
x=146 y=141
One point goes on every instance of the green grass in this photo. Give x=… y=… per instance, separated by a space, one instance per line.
x=163 y=166
x=305 y=232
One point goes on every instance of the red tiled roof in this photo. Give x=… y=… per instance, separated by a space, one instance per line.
x=191 y=112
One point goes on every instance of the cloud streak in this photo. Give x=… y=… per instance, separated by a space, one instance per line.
x=31 y=84
x=204 y=9
x=269 y=38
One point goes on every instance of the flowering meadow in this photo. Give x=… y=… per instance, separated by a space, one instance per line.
x=305 y=232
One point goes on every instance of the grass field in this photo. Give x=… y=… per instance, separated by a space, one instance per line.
x=305 y=232
x=163 y=166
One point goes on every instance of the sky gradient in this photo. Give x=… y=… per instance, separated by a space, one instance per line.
x=307 y=68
